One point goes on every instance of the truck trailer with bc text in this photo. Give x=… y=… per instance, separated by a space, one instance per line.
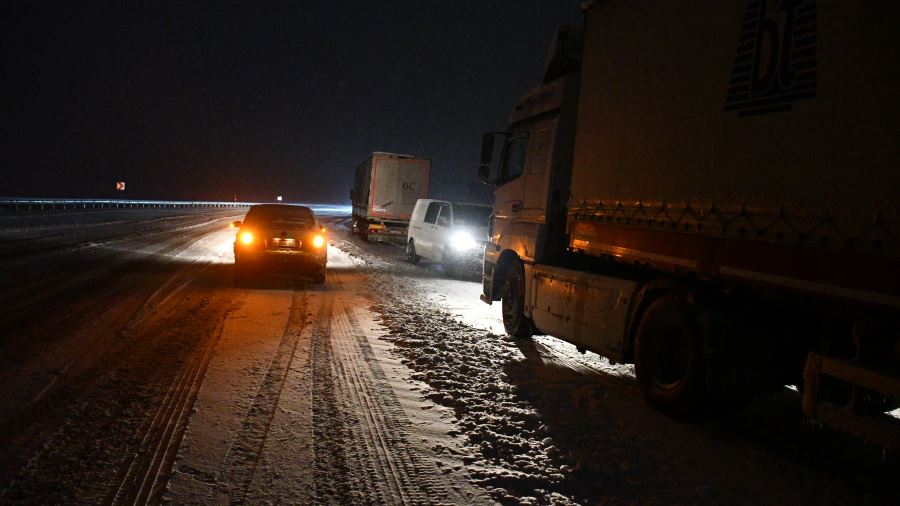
x=385 y=189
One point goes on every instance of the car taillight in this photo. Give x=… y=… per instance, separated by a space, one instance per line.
x=246 y=237
x=318 y=241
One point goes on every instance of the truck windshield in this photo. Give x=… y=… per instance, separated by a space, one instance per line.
x=470 y=215
x=513 y=158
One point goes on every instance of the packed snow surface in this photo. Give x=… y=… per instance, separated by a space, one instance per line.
x=135 y=371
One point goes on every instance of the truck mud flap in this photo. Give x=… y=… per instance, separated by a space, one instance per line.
x=878 y=429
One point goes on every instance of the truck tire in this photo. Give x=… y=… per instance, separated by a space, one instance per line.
x=669 y=360
x=411 y=253
x=512 y=295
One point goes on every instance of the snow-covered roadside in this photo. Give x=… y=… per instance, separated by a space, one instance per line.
x=460 y=298
x=455 y=359
x=544 y=424
x=511 y=458
x=454 y=344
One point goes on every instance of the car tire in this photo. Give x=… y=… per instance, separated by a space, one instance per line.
x=411 y=255
x=512 y=296
x=319 y=276
x=669 y=358
x=240 y=275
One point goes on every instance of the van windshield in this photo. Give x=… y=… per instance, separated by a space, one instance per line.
x=471 y=215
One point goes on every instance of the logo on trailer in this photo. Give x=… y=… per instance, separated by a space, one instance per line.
x=120 y=185
x=776 y=57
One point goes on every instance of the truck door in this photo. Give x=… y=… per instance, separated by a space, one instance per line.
x=385 y=200
x=412 y=185
x=520 y=213
x=508 y=195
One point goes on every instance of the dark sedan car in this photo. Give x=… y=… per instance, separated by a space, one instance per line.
x=280 y=236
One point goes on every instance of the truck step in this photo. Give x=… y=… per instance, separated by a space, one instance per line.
x=881 y=430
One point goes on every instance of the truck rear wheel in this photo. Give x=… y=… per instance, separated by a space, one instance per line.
x=669 y=357
x=512 y=295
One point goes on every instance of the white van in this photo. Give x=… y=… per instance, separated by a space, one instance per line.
x=448 y=233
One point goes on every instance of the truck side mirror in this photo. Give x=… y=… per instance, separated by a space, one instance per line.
x=484 y=172
x=235 y=224
x=487 y=148
x=487 y=154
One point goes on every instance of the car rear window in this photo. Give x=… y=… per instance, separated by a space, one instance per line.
x=289 y=215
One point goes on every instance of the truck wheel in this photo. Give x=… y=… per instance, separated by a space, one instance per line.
x=411 y=253
x=513 y=301
x=669 y=357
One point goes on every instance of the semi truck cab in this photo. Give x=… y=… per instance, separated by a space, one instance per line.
x=655 y=219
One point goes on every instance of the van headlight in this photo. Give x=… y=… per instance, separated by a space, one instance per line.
x=463 y=241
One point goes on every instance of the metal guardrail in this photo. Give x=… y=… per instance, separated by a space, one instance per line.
x=40 y=204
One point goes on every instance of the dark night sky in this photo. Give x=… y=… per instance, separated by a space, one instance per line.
x=189 y=100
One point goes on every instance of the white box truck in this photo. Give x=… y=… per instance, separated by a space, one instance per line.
x=711 y=191
x=385 y=190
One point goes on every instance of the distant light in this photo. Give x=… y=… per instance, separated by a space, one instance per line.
x=279 y=198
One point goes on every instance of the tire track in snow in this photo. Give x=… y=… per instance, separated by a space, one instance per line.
x=362 y=449
x=332 y=439
x=148 y=469
x=112 y=301
x=388 y=427
x=243 y=455
x=88 y=272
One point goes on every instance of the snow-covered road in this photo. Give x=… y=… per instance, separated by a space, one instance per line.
x=134 y=372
